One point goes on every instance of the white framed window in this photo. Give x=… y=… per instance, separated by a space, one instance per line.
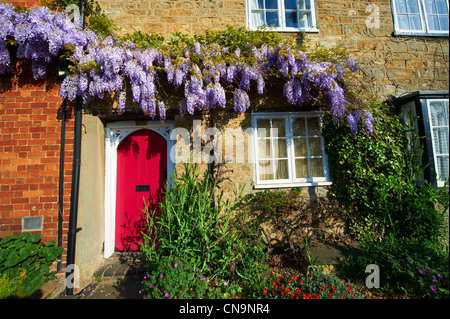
x=282 y=15
x=289 y=150
x=421 y=17
x=438 y=119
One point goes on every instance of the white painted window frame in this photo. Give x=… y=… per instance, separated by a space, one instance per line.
x=425 y=31
x=292 y=181
x=440 y=181
x=281 y=16
x=115 y=132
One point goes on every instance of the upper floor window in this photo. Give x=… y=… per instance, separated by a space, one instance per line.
x=282 y=15
x=421 y=17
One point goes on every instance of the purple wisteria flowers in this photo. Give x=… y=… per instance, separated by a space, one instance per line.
x=210 y=76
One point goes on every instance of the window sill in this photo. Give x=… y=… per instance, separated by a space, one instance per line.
x=420 y=34
x=310 y=30
x=284 y=185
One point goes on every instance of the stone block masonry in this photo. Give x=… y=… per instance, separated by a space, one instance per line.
x=393 y=65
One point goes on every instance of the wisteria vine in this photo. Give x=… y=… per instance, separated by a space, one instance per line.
x=207 y=73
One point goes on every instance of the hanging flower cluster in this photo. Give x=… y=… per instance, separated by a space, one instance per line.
x=208 y=73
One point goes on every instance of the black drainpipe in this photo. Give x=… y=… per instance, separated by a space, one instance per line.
x=61 y=179
x=75 y=182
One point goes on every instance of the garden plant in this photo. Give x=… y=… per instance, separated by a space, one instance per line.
x=199 y=245
x=25 y=264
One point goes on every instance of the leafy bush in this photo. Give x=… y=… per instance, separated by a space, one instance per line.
x=26 y=257
x=376 y=181
x=11 y=287
x=406 y=266
x=173 y=279
x=314 y=285
x=195 y=227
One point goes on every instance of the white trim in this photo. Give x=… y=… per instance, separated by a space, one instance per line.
x=292 y=181
x=282 y=28
x=425 y=31
x=115 y=132
x=440 y=181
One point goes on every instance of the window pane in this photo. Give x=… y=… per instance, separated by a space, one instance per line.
x=416 y=23
x=272 y=19
x=257 y=19
x=441 y=6
x=401 y=6
x=281 y=169
x=316 y=167
x=291 y=19
x=413 y=6
x=313 y=126
x=305 y=20
x=298 y=127
x=443 y=21
x=300 y=147
x=259 y=4
x=280 y=148
x=403 y=22
x=264 y=150
x=429 y=6
x=439 y=115
x=271 y=4
x=279 y=127
x=315 y=146
x=443 y=167
x=433 y=23
x=290 y=4
x=263 y=126
x=301 y=168
x=265 y=170
x=440 y=140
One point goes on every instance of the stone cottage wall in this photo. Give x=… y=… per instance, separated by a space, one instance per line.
x=392 y=64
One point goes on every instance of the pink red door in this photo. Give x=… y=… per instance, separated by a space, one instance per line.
x=141 y=174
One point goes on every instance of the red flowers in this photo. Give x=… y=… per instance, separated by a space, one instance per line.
x=289 y=287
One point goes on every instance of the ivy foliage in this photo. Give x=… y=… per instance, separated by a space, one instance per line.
x=376 y=180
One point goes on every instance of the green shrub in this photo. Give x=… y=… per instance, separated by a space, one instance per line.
x=406 y=266
x=173 y=279
x=204 y=231
x=26 y=257
x=11 y=287
x=375 y=181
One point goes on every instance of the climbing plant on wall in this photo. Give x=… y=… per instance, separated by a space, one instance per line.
x=210 y=71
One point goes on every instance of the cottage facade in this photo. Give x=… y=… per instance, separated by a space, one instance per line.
x=400 y=46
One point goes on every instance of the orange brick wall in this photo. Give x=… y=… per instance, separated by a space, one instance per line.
x=30 y=142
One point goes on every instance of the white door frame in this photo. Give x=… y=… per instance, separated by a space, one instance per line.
x=115 y=132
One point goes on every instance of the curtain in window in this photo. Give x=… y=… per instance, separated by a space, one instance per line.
x=257 y=13
x=440 y=129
